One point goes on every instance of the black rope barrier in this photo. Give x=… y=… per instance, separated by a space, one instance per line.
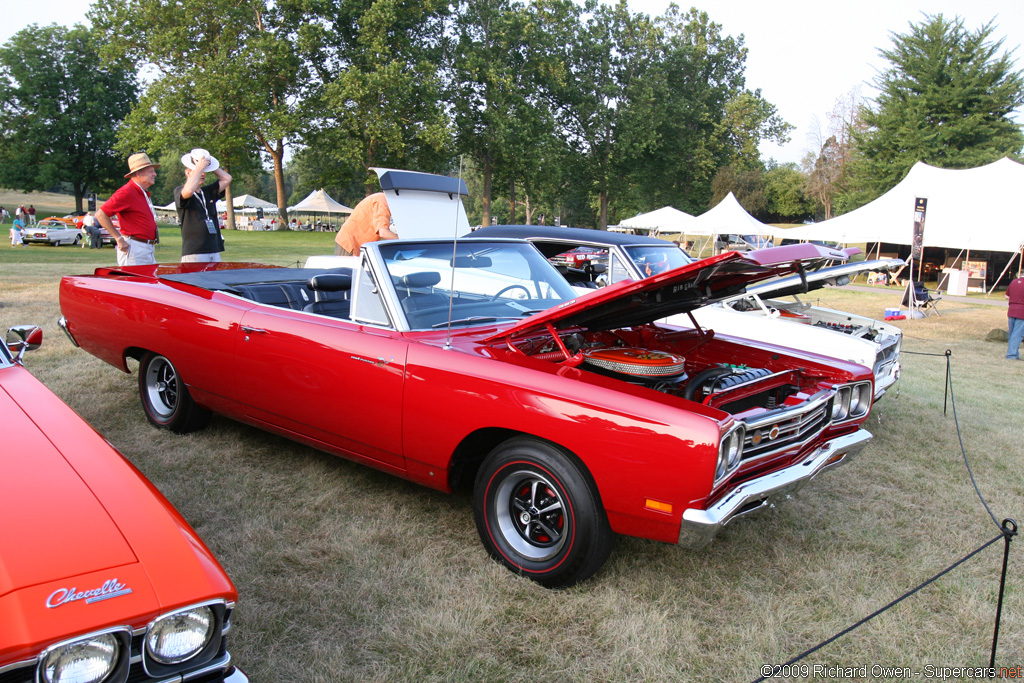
x=1007 y=530
x=874 y=614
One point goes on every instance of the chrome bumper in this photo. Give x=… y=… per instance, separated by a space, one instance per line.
x=889 y=376
x=236 y=676
x=699 y=527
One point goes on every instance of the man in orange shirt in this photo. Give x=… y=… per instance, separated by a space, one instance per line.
x=370 y=222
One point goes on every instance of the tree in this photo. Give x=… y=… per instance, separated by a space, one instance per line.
x=827 y=167
x=607 y=98
x=947 y=99
x=379 y=100
x=784 y=189
x=499 y=117
x=708 y=120
x=59 y=112
x=226 y=76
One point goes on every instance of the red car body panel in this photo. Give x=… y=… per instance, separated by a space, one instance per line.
x=405 y=402
x=77 y=517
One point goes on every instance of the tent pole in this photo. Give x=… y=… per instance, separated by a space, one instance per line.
x=1020 y=254
x=945 y=276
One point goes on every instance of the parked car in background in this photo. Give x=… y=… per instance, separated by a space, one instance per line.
x=53 y=231
x=571 y=418
x=741 y=242
x=827 y=332
x=100 y=578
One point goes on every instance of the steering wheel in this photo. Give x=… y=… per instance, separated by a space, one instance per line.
x=510 y=287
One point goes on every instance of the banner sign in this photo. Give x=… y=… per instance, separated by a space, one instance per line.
x=920 y=206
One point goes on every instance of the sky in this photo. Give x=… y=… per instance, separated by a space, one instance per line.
x=803 y=55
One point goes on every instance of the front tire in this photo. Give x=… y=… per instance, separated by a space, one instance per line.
x=165 y=398
x=538 y=512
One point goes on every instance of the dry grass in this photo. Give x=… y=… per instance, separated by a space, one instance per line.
x=346 y=574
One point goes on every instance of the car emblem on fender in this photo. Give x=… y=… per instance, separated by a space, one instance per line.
x=111 y=588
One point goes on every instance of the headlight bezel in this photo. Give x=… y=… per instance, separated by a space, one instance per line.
x=730 y=452
x=851 y=402
x=156 y=668
x=118 y=669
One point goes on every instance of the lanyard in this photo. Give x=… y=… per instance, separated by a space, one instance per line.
x=202 y=200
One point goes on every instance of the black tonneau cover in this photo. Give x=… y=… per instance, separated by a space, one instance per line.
x=226 y=280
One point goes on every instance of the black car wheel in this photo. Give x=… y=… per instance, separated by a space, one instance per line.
x=165 y=397
x=539 y=514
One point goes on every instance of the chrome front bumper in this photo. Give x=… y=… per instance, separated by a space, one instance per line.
x=699 y=527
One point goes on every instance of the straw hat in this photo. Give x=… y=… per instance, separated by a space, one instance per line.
x=190 y=159
x=137 y=162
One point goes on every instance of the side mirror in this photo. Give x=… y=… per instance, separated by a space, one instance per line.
x=22 y=338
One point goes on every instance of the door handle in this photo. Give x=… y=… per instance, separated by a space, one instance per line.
x=252 y=330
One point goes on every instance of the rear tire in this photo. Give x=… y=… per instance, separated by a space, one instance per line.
x=165 y=398
x=538 y=512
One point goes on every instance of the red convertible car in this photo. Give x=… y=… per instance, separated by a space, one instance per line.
x=100 y=578
x=475 y=364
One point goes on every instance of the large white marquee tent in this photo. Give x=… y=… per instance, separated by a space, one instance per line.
x=728 y=217
x=667 y=219
x=967 y=209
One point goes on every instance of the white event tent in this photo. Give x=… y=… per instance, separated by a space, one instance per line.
x=728 y=217
x=967 y=209
x=666 y=219
x=246 y=201
x=319 y=201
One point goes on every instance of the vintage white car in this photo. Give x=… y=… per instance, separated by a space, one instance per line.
x=747 y=315
x=53 y=231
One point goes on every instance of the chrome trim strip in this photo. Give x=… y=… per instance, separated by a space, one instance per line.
x=216 y=665
x=807 y=406
x=18 y=665
x=699 y=526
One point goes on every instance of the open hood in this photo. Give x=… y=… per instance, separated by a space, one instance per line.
x=834 y=276
x=630 y=303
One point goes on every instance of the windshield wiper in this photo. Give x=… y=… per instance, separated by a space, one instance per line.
x=476 y=319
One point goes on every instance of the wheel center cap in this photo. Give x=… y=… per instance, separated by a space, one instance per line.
x=524 y=518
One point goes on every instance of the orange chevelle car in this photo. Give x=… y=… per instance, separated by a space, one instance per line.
x=101 y=579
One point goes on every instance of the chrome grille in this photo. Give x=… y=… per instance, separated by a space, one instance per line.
x=783 y=429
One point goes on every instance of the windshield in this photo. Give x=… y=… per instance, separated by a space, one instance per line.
x=483 y=282
x=654 y=259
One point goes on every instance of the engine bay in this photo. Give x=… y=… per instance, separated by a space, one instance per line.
x=688 y=364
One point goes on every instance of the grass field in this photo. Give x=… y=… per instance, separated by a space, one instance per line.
x=347 y=574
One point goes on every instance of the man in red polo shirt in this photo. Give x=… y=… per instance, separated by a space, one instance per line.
x=136 y=239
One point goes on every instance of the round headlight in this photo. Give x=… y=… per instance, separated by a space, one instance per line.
x=174 y=638
x=86 y=661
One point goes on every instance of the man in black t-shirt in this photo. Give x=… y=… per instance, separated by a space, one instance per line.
x=201 y=241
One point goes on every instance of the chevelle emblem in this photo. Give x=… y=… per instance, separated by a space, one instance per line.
x=111 y=588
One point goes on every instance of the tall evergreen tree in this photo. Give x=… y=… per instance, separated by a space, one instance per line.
x=59 y=112
x=947 y=99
